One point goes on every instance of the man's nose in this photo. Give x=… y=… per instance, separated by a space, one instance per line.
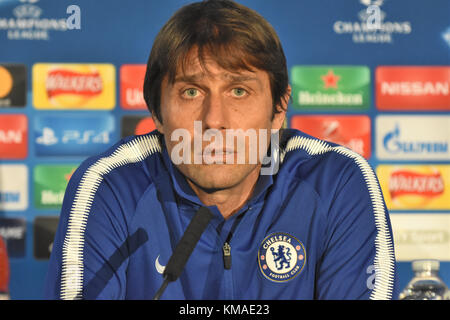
x=214 y=112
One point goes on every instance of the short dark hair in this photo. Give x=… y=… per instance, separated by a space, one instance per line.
x=238 y=38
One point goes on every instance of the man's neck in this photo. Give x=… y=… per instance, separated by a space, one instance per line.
x=229 y=200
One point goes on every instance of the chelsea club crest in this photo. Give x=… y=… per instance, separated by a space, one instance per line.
x=281 y=257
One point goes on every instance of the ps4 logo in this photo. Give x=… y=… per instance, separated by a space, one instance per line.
x=73 y=135
x=49 y=137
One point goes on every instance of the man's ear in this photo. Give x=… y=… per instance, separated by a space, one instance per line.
x=280 y=116
x=158 y=124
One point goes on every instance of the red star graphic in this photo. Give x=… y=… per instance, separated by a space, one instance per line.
x=69 y=175
x=330 y=80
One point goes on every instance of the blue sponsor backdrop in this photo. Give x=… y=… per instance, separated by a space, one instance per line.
x=313 y=32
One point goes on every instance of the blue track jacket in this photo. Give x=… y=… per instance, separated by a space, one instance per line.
x=317 y=229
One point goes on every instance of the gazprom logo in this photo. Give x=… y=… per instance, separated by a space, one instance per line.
x=413 y=137
x=394 y=143
x=13 y=187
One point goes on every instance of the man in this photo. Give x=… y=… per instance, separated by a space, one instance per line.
x=310 y=223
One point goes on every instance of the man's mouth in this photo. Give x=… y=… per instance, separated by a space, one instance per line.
x=216 y=152
x=217 y=156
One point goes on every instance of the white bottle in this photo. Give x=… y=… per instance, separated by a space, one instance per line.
x=426 y=283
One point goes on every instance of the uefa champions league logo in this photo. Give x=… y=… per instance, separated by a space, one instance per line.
x=372 y=27
x=28 y=21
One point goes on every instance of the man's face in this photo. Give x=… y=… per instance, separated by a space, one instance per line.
x=220 y=100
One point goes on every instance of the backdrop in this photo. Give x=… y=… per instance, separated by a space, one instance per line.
x=371 y=75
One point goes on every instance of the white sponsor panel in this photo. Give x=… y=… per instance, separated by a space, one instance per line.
x=414 y=137
x=421 y=236
x=13 y=187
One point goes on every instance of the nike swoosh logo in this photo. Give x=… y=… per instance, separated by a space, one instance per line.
x=159 y=268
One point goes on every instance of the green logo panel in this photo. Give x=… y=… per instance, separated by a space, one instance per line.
x=330 y=87
x=50 y=182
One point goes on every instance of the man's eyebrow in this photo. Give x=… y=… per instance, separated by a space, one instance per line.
x=189 y=78
x=227 y=76
x=239 y=77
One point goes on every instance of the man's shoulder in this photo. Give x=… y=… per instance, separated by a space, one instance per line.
x=297 y=146
x=311 y=159
x=130 y=159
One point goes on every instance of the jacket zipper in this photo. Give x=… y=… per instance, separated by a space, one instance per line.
x=226 y=251
x=226 y=248
x=226 y=255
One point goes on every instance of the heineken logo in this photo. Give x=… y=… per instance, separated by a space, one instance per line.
x=331 y=87
x=50 y=182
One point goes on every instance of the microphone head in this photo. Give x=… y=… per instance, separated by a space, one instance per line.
x=186 y=245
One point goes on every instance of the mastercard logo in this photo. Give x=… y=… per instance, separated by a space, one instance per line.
x=6 y=82
x=74 y=86
x=13 y=85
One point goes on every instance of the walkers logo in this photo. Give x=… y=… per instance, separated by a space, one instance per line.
x=50 y=182
x=13 y=231
x=60 y=82
x=13 y=136
x=13 y=85
x=44 y=230
x=413 y=137
x=419 y=187
x=74 y=86
x=13 y=187
x=136 y=125
x=352 y=132
x=421 y=236
x=413 y=88
x=372 y=26
x=73 y=135
x=324 y=87
x=131 y=84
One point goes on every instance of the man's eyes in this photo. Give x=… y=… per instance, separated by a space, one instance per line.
x=193 y=92
x=239 y=92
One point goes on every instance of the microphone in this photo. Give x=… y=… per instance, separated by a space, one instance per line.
x=184 y=248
